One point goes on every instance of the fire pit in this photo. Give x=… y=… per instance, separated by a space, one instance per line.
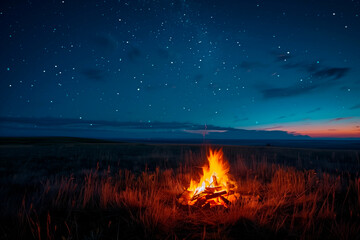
x=215 y=187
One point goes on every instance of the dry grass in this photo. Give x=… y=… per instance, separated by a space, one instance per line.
x=277 y=201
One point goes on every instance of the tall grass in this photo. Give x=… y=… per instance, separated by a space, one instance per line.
x=275 y=201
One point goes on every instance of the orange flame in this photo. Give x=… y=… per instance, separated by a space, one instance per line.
x=215 y=186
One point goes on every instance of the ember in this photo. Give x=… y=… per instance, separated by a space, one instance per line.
x=215 y=187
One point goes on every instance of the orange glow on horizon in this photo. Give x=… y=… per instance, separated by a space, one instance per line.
x=324 y=129
x=335 y=133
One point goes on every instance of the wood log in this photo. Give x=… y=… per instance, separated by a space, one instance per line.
x=212 y=189
x=200 y=202
x=209 y=190
x=227 y=202
x=201 y=194
x=215 y=195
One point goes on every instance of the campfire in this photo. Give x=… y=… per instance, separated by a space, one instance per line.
x=215 y=187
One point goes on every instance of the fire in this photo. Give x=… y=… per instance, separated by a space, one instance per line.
x=215 y=187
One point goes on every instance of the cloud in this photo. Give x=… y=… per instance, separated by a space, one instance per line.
x=74 y=123
x=357 y=106
x=340 y=119
x=286 y=91
x=333 y=72
x=314 y=110
x=130 y=129
x=93 y=74
x=204 y=132
x=319 y=71
x=272 y=128
x=322 y=77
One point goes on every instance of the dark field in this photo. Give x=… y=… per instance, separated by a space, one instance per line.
x=66 y=188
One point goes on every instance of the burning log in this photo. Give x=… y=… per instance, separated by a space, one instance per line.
x=200 y=195
x=227 y=202
x=212 y=189
x=215 y=187
x=215 y=195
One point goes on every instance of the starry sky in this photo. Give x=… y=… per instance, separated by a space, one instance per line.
x=180 y=69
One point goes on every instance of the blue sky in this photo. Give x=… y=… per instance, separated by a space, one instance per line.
x=269 y=66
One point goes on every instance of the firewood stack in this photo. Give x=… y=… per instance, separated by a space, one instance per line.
x=212 y=195
x=215 y=187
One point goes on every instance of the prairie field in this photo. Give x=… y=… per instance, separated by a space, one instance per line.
x=60 y=188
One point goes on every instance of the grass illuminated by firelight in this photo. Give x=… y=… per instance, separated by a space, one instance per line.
x=277 y=201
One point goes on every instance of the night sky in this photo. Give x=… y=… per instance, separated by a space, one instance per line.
x=180 y=69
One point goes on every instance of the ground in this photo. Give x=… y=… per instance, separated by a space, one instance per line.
x=66 y=188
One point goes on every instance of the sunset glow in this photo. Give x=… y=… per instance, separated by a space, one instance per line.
x=334 y=128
